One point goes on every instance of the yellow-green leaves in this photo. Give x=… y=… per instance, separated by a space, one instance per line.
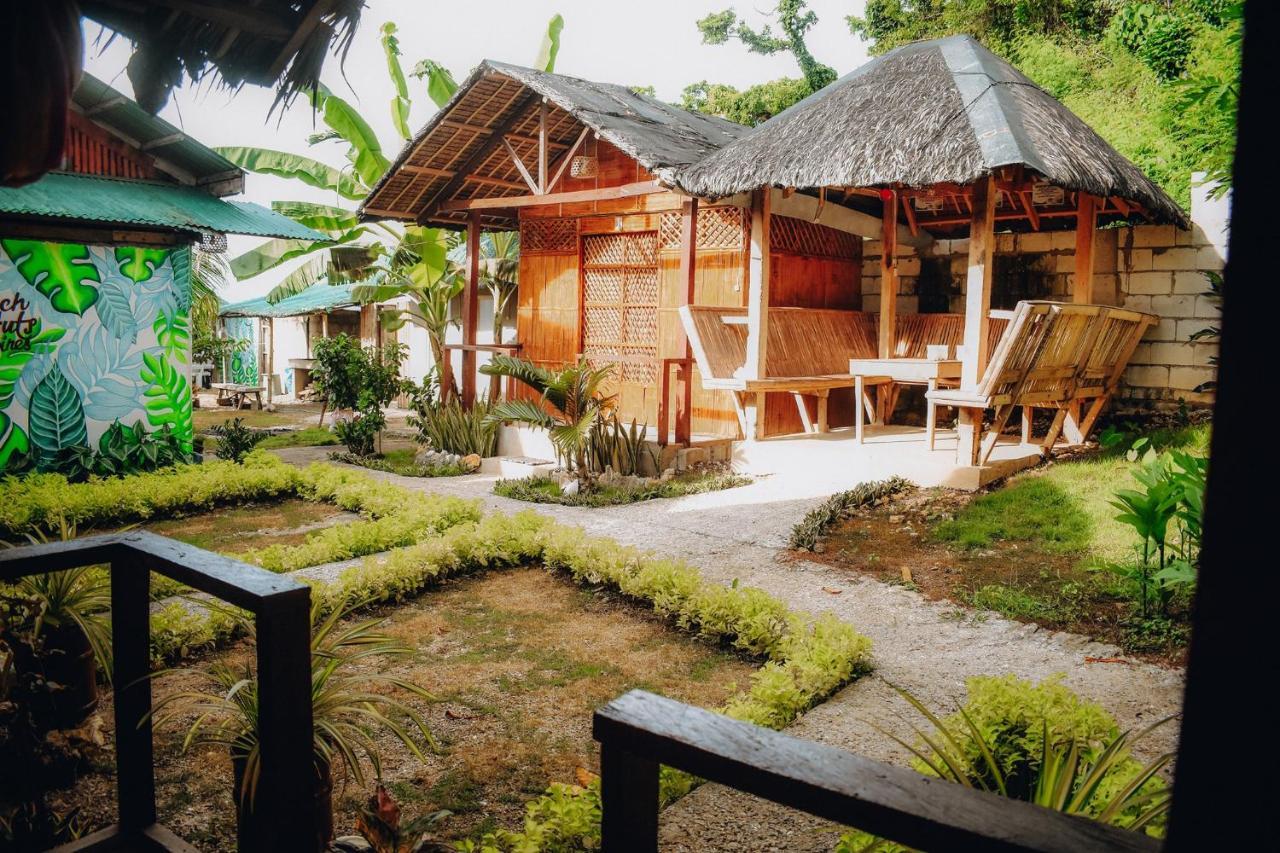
x=400 y=102
x=63 y=272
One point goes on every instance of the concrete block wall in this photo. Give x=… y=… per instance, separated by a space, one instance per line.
x=1159 y=269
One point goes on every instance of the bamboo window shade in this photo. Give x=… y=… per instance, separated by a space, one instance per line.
x=620 y=304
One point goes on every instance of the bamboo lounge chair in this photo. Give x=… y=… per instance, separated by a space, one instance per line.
x=1054 y=355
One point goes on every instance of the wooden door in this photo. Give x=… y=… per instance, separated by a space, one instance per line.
x=620 y=316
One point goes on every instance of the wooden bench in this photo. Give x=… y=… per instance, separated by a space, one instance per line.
x=234 y=394
x=807 y=355
x=1054 y=355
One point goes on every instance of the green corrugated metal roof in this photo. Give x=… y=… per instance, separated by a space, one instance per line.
x=317 y=297
x=115 y=201
x=159 y=138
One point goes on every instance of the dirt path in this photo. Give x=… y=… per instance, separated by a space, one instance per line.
x=926 y=647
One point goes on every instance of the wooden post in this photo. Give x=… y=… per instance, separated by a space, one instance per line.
x=1086 y=222
x=977 y=305
x=271 y=355
x=470 y=310
x=131 y=674
x=888 y=273
x=324 y=324
x=688 y=285
x=542 y=146
x=758 y=269
x=629 y=801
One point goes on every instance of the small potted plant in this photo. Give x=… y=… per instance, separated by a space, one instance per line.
x=346 y=711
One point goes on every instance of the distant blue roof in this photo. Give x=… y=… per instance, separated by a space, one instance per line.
x=318 y=297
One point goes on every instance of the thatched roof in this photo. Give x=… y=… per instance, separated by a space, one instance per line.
x=944 y=111
x=456 y=155
x=281 y=43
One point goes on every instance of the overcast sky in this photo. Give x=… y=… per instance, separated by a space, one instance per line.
x=656 y=43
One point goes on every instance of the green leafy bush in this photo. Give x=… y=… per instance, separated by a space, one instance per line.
x=820 y=519
x=450 y=428
x=543 y=489
x=403 y=468
x=235 y=439
x=359 y=432
x=39 y=503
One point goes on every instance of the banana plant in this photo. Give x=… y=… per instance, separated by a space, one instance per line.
x=366 y=163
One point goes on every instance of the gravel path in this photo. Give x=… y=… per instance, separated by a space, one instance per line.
x=928 y=648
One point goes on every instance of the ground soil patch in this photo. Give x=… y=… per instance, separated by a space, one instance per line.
x=242 y=528
x=516 y=661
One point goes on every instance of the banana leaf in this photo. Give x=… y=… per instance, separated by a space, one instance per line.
x=282 y=164
x=550 y=48
x=400 y=102
x=366 y=151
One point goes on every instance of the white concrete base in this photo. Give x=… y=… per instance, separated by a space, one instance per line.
x=835 y=461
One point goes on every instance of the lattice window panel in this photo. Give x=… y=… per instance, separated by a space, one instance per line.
x=620 y=304
x=718 y=228
x=548 y=236
x=797 y=237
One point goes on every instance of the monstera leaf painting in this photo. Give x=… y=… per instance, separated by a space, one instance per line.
x=173 y=332
x=168 y=397
x=105 y=370
x=55 y=417
x=13 y=441
x=140 y=263
x=180 y=264
x=115 y=312
x=63 y=272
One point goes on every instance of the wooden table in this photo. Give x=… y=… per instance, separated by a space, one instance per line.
x=890 y=372
x=238 y=393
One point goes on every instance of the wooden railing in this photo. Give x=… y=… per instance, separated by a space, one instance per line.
x=281 y=609
x=639 y=731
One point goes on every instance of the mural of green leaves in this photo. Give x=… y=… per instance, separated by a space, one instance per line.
x=168 y=397
x=173 y=332
x=114 y=311
x=13 y=441
x=139 y=262
x=12 y=361
x=60 y=271
x=55 y=417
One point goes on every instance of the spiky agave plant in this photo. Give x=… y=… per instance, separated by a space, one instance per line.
x=573 y=404
x=346 y=706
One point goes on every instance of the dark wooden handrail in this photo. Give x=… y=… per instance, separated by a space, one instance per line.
x=281 y=607
x=640 y=731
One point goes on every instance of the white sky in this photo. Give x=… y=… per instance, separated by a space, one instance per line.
x=656 y=43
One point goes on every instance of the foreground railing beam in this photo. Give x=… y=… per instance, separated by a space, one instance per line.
x=640 y=731
x=282 y=611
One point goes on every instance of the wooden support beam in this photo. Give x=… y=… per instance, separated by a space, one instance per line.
x=271 y=356
x=758 y=297
x=521 y=168
x=888 y=272
x=471 y=310
x=1086 y=223
x=1029 y=206
x=542 y=147
x=162 y=141
x=982 y=240
x=568 y=158
x=601 y=194
x=688 y=285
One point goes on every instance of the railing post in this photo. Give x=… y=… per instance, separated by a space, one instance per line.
x=629 y=801
x=286 y=788
x=131 y=675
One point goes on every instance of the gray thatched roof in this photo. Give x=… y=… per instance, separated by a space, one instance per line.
x=661 y=137
x=932 y=112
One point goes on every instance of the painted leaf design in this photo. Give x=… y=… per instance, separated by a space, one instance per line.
x=180 y=261
x=60 y=271
x=55 y=416
x=167 y=399
x=115 y=312
x=139 y=262
x=13 y=361
x=173 y=332
x=13 y=441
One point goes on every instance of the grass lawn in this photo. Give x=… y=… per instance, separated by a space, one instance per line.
x=311 y=436
x=546 y=490
x=516 y=662
x=204 y=418
x=1033 y=549
x=401 y=461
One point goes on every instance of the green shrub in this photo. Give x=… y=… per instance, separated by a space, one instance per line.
x=450 y=428
x=820 y=519
x=543 y=489
x=235 y=439
x=402 y=468
x=38 y=503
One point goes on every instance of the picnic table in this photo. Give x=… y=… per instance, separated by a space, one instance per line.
x=234 y=394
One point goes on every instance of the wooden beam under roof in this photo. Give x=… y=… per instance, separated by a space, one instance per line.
x=601 y=194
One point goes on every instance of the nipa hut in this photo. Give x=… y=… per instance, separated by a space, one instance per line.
x=719 y=267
